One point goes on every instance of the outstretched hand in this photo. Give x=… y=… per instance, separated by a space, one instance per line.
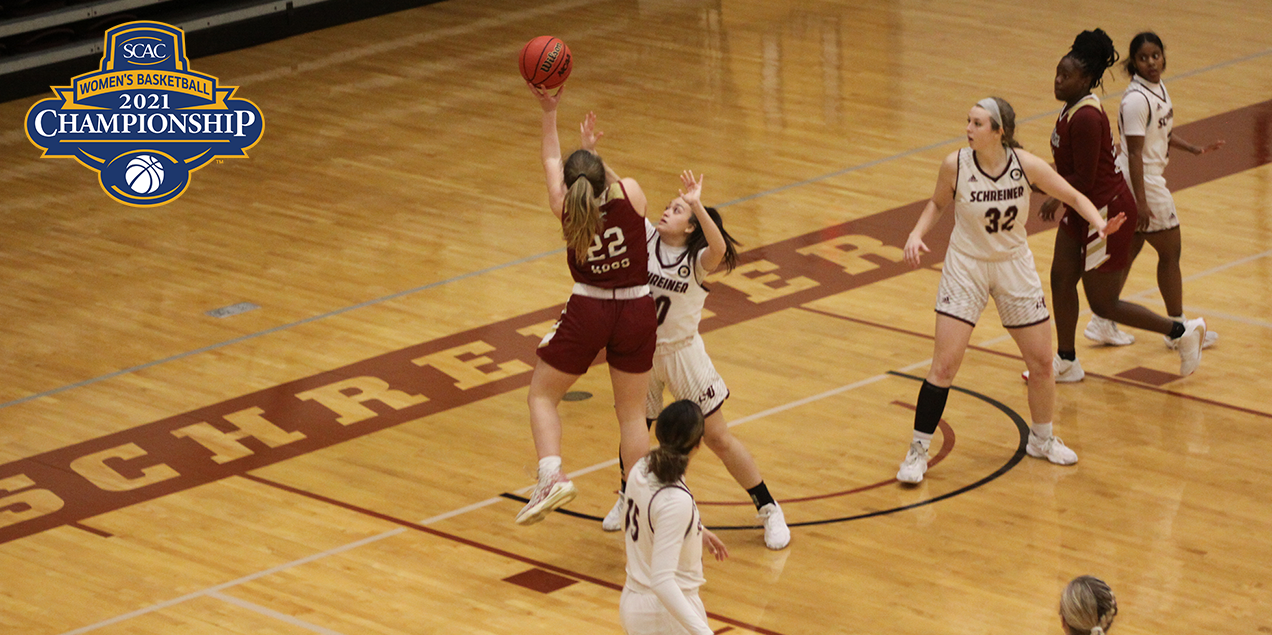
x=589 y=132
x=692 y=192
x=1112 y=225
x=547 y=100
x=1211 y=148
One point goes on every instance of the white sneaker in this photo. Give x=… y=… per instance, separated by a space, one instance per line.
x=552 y=491
x=1106 y=332
x=1190 y=345
x=1066 y=372
x=614 y=519
x=1051 y=448
x=776 y=534
x=914 y=465
x=1210 y=339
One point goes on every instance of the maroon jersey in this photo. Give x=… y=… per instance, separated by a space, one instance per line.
x=1082 y=146
x=619 y=255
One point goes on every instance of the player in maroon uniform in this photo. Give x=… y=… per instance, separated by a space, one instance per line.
x=1082 y=145
x=610 y=309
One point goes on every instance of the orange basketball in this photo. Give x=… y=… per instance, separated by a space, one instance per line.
x=545 y=61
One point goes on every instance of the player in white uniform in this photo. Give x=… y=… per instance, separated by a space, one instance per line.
x=687 y=245
x=1145 y=123
x=988 y=183
x=664 y=533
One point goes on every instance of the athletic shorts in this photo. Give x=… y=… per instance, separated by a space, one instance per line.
x=1112 y=253
x=684 y=368
x=967 y=284
x=1161 y=203
x=644 y=614
x=624 y=329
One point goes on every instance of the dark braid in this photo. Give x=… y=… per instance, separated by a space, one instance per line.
x=1094 y=52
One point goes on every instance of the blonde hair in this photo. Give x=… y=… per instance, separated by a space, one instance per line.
x=581 y=211
x=1088 y=606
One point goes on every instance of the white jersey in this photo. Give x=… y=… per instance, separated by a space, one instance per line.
x=990 y=210
x=679 y=294
x=663 y=532
x=1146 y=111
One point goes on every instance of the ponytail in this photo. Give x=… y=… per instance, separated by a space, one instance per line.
x=697 y=240
x=1009 y=122
x=679 y=430
x=580 y=211
x=1088 y=606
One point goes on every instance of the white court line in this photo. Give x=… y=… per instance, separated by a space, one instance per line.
x=248 y=578
x=214 y=590
x=586 y=470
x=282 y=617
x=415 y=39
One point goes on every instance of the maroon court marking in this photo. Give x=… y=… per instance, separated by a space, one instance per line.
x=947 y=446
x=1112 y=378
x=167 y=456
x=1148 y=376
x=537 y=579
x=477 y=545
x=91 y=530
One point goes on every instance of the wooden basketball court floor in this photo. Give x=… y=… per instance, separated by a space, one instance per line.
x=345 y=458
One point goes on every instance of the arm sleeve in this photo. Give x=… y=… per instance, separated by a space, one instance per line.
x=650 y=230
x=670 y=515
x=1134 y=115
x=1084 y=143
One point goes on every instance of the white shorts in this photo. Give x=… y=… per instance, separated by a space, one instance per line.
x=684 y=368
x=1161 y=202
x=644 y=614
x=967 y=284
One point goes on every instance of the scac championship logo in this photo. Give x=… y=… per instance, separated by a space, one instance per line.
x=144 y=121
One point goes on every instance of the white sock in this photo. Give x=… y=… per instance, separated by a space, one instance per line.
x=549 y=464
x=924 y=439
x=1041 y=430
x=1179 y=318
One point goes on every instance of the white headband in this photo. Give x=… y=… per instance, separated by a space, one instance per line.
x=991 y=106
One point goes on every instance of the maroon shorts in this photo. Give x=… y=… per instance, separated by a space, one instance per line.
x=1120 y=242
x=625 y=329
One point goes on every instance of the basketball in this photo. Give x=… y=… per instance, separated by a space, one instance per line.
x=144 y=174
x=545 y=61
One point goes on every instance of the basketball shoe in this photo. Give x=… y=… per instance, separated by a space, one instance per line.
x=1106 y=332
x=914 y=465
x=552 y=491
x=614 y=519
x=1189 y=346
x=1051 y=448
x=776 y=534
x=1206 y=342
x=1066 y=372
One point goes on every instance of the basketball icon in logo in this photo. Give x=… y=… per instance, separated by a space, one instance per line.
x=144 y=174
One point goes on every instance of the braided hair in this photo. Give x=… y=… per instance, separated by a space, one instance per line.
x=1094 y=53
x=1088 y=606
